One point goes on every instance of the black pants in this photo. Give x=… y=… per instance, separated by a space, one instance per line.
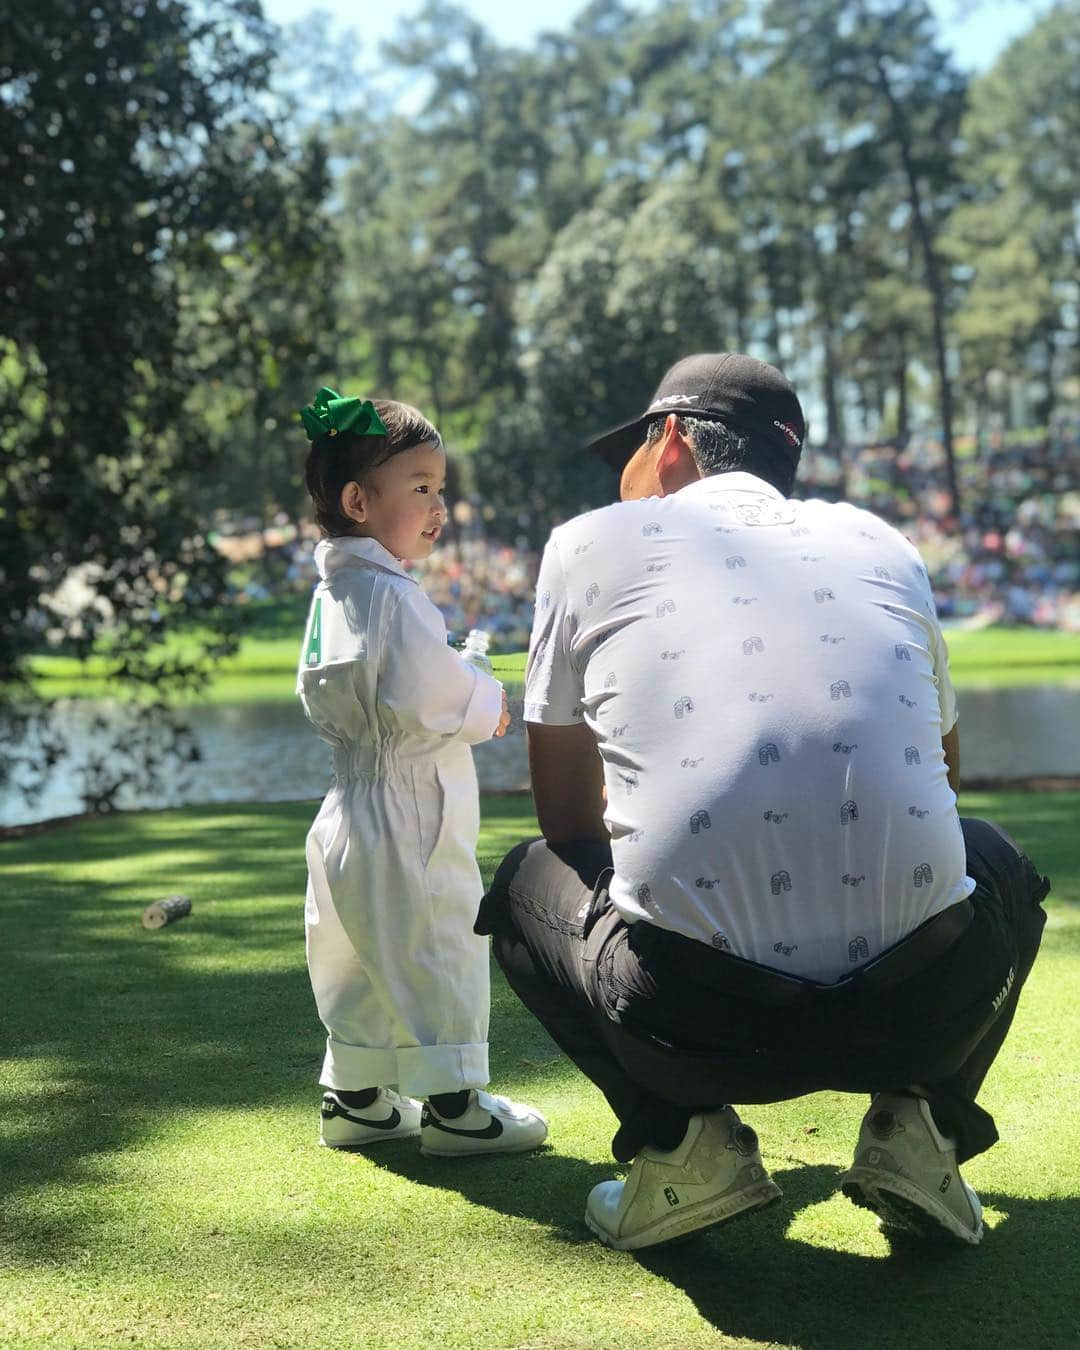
x=666 y=1026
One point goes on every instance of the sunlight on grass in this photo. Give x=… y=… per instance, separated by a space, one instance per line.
x=161 y=1182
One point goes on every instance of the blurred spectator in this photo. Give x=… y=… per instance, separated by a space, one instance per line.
x=1011 y=558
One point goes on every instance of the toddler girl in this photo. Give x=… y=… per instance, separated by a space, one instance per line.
x=400 y=979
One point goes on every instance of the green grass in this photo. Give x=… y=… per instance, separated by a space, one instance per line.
x=160 y=1184
x=264 y=669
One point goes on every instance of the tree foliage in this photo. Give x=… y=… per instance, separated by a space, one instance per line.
x=141 y=221
x=518 y=240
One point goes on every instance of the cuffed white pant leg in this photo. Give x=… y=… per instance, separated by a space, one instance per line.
x=359 y=1042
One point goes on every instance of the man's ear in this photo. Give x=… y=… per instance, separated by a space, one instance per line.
x=353 y=503
x=675 y=463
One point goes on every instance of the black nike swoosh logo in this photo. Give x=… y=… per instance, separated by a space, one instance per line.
x=491 y=1130
x=392 y=1121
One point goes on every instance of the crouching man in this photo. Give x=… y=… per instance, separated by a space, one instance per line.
x=753 y=882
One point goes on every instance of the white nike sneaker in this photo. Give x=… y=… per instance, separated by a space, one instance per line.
x=487 y=1125
x=715 y=1174
x=390 y=1116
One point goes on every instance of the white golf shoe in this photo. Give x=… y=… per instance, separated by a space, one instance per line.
x=905 y=1171
x=390 y=1116
x=488 y=1125
x=713 y=1175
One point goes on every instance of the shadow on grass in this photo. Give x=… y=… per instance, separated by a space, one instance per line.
x=1017 y=1287
x=109 y=1031
x=545 y=1187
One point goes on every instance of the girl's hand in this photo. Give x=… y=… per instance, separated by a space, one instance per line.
x=504 y=717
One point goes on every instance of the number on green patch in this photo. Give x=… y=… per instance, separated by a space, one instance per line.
x=313 y=641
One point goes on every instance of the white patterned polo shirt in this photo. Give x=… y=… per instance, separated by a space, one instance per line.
x=768 y=687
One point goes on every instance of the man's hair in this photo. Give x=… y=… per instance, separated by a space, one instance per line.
x=718 y=449
x=333 y=461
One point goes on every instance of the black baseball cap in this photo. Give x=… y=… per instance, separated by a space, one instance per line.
x=745 y=394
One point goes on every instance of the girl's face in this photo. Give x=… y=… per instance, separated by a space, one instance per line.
x=402 y=504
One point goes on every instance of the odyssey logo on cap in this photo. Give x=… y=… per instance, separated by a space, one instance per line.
x=751 y=398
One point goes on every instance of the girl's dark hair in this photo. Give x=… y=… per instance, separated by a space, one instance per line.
x=333 y=461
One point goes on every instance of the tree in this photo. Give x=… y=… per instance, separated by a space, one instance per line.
x=878 y=64
x=135 y=151
x=1016 y=239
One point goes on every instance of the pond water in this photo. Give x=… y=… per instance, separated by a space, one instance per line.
x=265 y=752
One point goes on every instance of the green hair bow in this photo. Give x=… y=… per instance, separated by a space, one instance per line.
x=330 y=413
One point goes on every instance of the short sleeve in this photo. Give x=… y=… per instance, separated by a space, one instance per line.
x=553 y=687
x=426 y=685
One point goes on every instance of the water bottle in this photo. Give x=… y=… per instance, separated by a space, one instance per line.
x=475 y=650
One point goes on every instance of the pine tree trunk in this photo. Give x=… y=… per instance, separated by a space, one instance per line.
x=933 y=280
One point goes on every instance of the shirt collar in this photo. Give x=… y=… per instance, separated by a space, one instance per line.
x=736 y=481
x=340 y=551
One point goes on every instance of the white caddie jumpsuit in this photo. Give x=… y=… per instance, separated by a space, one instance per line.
x=399 y=977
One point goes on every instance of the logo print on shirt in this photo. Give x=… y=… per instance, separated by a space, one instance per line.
x=630 y=782
x=849 y=880
x=839 y=748
x=777 y=817
x=832 y=641
x=720 y=941
x=911 y=755
x=858 y=949
x=919 y=814
x=692 y=763
x=707 y=883
x=902 y=653
x=768 y=753
x=780 y=881
x=923 y=875
x=700 y=821
x=867 y=535
x=593 y=593
x=812 y=557
x=752 y=645
x=653 y=527
x=758 y=698
x=611 y=680
x=743 y=599
x=849 y=811
x=785 y=949
x=657 y=567
x=665 y=607
x=618 y=731
x=823 y=593
x=839 y=689
x=736 y=560
x=672 y=656
x=545 y=600
x=799 y=530
x=634 y=837
x=907 y=702
x=882 y=574
x=644 y=895
x=684 y=706
x=584 y=548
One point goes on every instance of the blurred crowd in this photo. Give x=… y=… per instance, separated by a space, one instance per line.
x=1011 y=557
